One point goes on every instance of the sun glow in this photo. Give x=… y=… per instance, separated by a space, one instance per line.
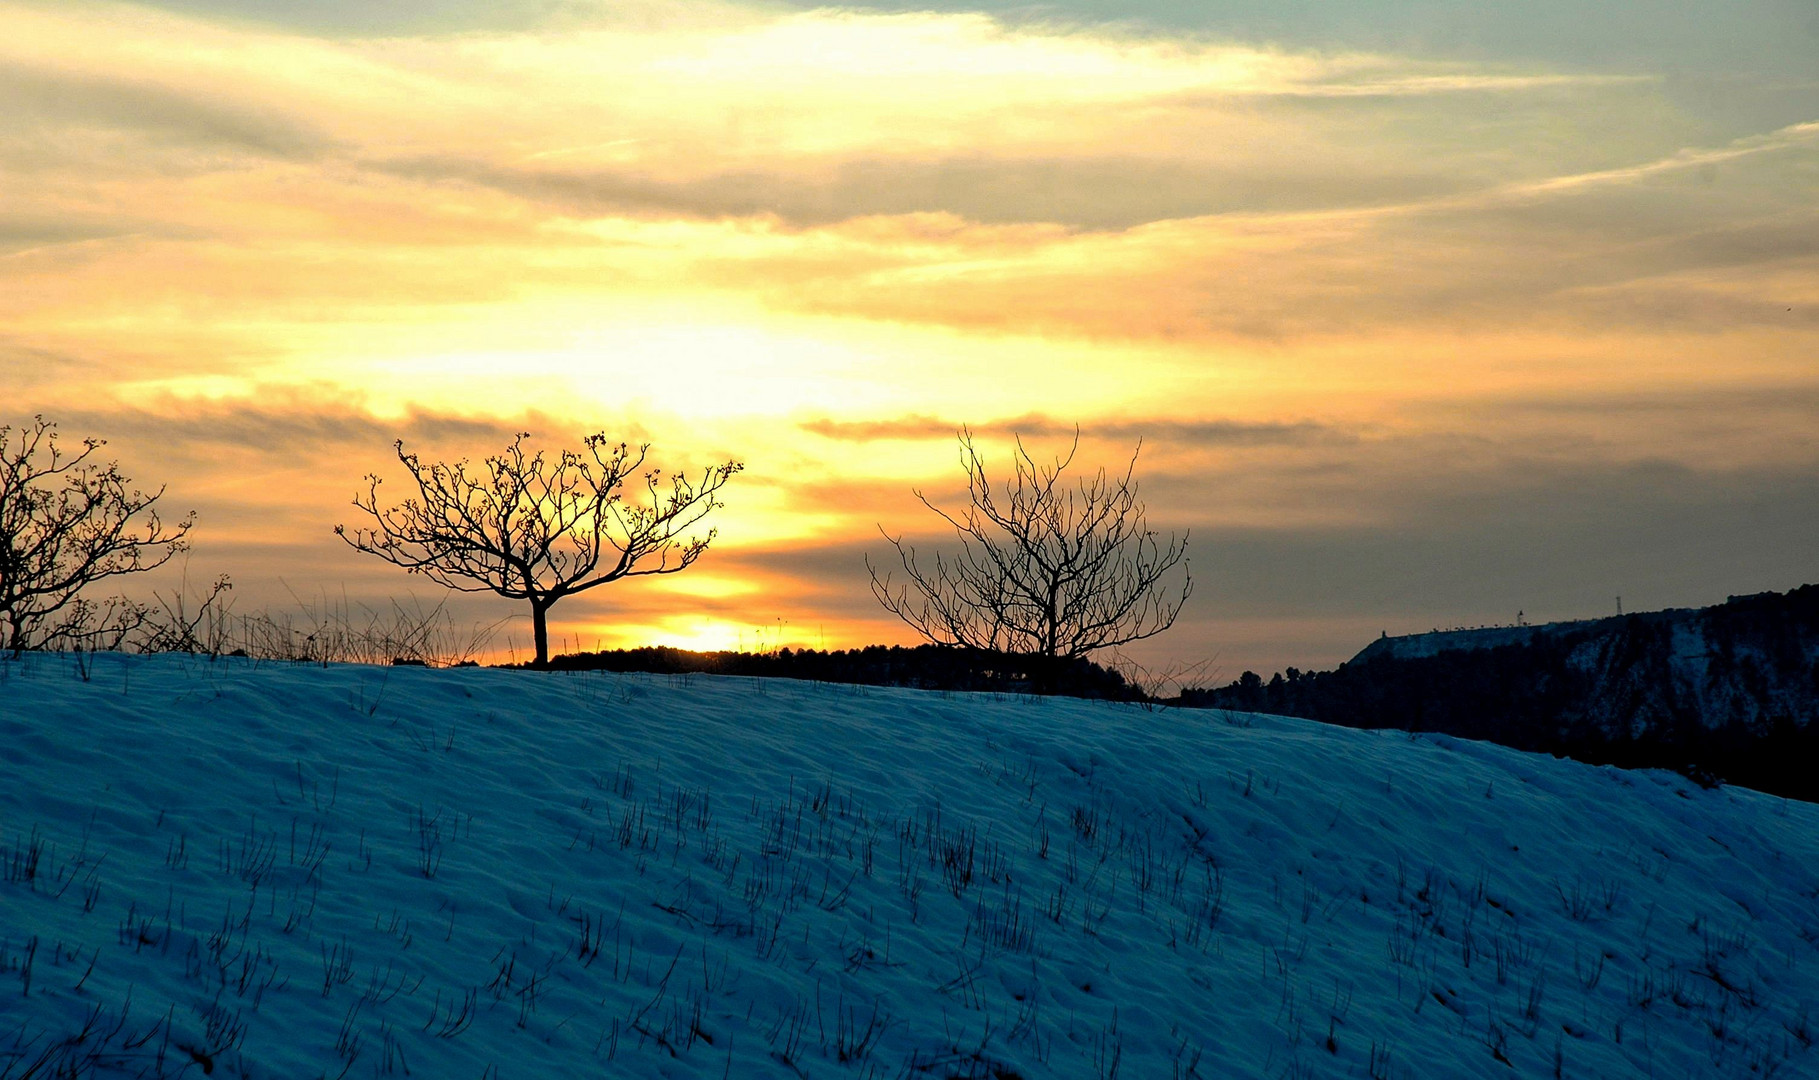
x=692 y=633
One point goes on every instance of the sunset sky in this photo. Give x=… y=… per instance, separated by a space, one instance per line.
x=1425 y=313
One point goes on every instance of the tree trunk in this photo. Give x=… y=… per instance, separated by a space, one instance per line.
x=1045 y=673
x=540 y=631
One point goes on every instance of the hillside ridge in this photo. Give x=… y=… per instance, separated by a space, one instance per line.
x=1727 y=692
x=251 y=869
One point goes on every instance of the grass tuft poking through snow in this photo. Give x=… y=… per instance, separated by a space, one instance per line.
x=251 y=869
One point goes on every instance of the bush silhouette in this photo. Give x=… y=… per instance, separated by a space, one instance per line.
x=68 y=520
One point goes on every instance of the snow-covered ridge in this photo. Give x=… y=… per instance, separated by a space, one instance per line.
x=1747 y=664
x=1470 y=639
x=261 y=870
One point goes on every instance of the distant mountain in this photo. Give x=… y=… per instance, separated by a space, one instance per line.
x=1728 y=692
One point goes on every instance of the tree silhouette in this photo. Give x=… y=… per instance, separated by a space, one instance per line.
x=537 y=529
x=1045 y=569
x=66 y=522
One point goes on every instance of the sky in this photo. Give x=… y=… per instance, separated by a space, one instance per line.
x=1424 y=314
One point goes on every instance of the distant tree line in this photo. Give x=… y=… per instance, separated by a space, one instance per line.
x=927 y=667
x=1725 y=693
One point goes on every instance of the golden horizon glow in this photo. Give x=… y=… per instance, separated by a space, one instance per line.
x=1338 y=291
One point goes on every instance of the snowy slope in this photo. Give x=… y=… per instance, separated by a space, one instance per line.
x=1748 y=665
x=1435 y=642
x=229 y=868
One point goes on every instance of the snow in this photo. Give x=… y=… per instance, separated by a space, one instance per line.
x=245 y=869
x=1469 y=639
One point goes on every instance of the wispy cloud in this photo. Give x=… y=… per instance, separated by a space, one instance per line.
x=43 y=96
x=1373 y=77
x=1793 y=136
x=1198 y=433
x=301 y=428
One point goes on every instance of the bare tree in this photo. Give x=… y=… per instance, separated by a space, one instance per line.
x=1045 y=569
x=67 y=521
x=536 y=529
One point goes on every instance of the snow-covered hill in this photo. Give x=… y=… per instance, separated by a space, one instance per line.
x=229 y=868
x=1743 y=665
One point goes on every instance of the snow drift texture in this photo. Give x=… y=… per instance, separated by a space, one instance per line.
x=234 y=869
